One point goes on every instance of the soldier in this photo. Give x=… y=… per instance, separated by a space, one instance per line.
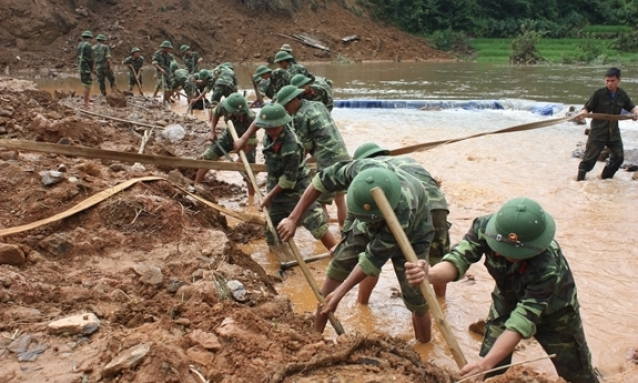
x=222 y=82
x=284 y=60
x=288 y=48
x=276 y=79
x=367 y=242
x=313 y=91
x=85 y=64
x=162 y=59
x=436 y=203
x=191 y=59
x=180 y=76
x=535 y=293
x=319 y=135
x=235 y=109
x=134 y=63
x=609 y=100
x=102 y=57
x=288 y=175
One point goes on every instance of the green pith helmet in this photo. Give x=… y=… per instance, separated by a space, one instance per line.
x=360 y=202
x=205 y=74
x=166 y=44
x=136 y=49
x=100 y=37
x=520 y=229
x=272 y=116
x=369 y=149
x=174 y=66
x=257 y=78
x=283 y=55
x=286 y=47
x=287 y=94
x=87 y=34
x=235 y=103
x=228 y=65
x=184 y=48
x=262 y=69
x=299 y=80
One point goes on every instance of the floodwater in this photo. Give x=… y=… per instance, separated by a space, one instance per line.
x=596 y=220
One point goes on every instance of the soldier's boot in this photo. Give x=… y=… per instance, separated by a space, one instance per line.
x=103 y=91
x=607 y=173
x=581 y=175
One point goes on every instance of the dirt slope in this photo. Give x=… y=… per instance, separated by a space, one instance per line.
x=45 y=33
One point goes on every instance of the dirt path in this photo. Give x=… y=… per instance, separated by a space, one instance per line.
x=44 y=35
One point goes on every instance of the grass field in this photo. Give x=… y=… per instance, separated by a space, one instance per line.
x=565 y=51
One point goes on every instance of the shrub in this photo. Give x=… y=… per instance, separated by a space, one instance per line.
x=524 y=49
x=448 y=40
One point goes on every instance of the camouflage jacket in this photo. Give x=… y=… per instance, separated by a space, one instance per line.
x=181 y=75
x=601 y=102
x=284 y=158
x=190 y=62
x=294 y=69
x=319 y=134
x=164 y=61
x=190 y=87
x=320 y=94
x=101 y=53
x=525 y=291
x=84 y=53
x=136 y=63
x=263 y=87
x=241 y=124
x=411 y=211
x=436 y=199
x=278 y=79
x=223 y=76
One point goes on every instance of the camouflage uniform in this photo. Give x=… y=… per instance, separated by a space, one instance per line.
x=85 y=62
x=225 y=141
x=164 y=61
x=371 y=245
x=605 y=133
x=137 y=65
x=533 y=297
x=224 y=85
x=320 y=94
x=294 y=69
x=278 y=79
x=320 y=137
x=180 y=77
x=436 y=203
x=190 y=62
x=101 y=53
x=284 y=159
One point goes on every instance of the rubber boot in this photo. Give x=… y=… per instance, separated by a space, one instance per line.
x=581 y=175
x=607 y=173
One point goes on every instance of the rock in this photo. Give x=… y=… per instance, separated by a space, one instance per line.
x=257 y=55
x=127 y=359
x=215 y=243
x=127 y=93
x=64 y=141
x=174 y=285
x=206 y=340
x=31 y=355
x=238 y=290
x=182 y=321
x=21 y=344
x=9 y=156
x=138 y=168
x=54 y=115
x=117 y=167
x=40 y=123
x=33 y=103
x=11 y=255
x=62 y=168
x=151 y=275
x=116 y=99
x=174 y=133
x=56 y=244
x=82 y=12
x=6 y=113
x=200 y=356
x=85 y=324
x=228 y=328
x=51 y=177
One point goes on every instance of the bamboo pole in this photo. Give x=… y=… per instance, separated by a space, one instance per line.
x=426 y=289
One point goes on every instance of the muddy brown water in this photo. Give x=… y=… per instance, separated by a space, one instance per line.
x=596 y=219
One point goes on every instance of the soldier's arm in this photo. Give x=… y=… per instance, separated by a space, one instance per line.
x=288 y=226
x=468 y=251
x=241 y=143
x=291 y=160
x=504 y=346
x=590 y=105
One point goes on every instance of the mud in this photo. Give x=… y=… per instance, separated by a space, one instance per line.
x=101 y=261
x=43 y=36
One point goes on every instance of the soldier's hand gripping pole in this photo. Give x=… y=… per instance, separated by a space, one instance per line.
x=426 y=289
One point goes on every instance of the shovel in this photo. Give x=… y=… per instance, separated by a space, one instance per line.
x=289 y=265
x=167 y=104
x=139 y=86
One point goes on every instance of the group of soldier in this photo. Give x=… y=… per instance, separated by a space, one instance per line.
x=535 y=294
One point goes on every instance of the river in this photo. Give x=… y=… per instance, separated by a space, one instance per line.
x=595 y=219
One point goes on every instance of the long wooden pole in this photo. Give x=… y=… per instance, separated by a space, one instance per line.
x=506 y=366
x=426 y=289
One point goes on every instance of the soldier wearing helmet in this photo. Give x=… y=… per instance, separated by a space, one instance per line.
x=84 y=53
x=535 y=294
x=162 y=59
x=288 y=175
x=191 y=59
x=313 y=91
x=367 y=242
x=134 y=63
x=102 y=57
x=285 y=61
x=288 y=48
x=234 y=109
x=272 y=80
